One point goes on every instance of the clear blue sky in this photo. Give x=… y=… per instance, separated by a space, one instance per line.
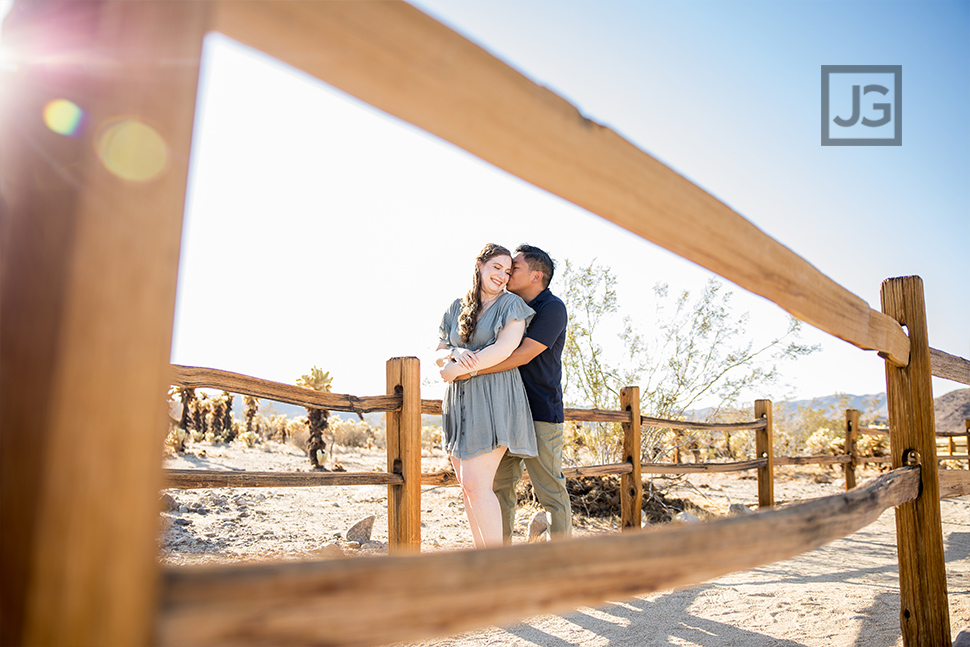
x=320 y=231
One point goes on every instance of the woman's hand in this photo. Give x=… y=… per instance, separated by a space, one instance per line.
x=465 y=359
x=443 y=355
x=451 y=371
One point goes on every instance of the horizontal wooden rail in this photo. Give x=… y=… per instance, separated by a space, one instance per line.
x=949 y=367
x=358 y=602
x=954 y=483
x=447 y=477
x=433 y=407
x=821 y=459
x=695 y=468
x=210 y=378
x=875 y=431
x=952 y=434
x=189 y=479
x=456 y=90
x=710 y=426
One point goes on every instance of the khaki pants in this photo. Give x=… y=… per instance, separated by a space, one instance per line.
x=548 y=483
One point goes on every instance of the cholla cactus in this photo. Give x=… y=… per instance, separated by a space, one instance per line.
x=316 y=418
x=250 y=409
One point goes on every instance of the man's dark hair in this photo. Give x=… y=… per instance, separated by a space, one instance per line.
x=538 y=261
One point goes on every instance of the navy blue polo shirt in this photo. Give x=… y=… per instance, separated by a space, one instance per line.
x=543 y=375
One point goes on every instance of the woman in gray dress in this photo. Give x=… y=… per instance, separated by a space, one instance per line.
x=485 y=415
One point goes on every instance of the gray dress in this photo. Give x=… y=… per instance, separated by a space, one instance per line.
x=487 y=411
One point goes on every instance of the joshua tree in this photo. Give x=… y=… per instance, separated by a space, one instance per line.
x=316 y=418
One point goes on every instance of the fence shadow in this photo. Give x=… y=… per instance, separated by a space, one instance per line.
x=666 y=620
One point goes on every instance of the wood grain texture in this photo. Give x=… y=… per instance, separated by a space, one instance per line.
x=631 y=484
x=954 y=483
x=409 y=65
x=190 y=479
x=356 y=602
x=851 y=446
x=765 y=450
x=694 y=468
x=196 y=377
x=404 y=456
x=812 y=460
x=433 y=407
x=949 y=367
x=924 y=615
x=89 y=264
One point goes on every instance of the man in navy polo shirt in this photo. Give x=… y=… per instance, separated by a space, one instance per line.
x=539 y=359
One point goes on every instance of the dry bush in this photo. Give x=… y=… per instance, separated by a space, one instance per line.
x=351 y=433
x=175 y=440
x=432 y=437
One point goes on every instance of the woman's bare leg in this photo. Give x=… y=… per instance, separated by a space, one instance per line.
x=481 y=505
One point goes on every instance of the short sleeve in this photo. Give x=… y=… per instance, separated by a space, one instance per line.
x=513 y=309
x=549 y=323
x=448 y=322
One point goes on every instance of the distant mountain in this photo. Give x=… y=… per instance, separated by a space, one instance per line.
x=952 y=409
x=833 y=404
x=874 y=402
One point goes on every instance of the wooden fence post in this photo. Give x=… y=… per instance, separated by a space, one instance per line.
x=763 y=446
x=851 y=446
x=91 y=226
x=924 y=612
x=966 y=425
x=631 y=485
x=404 y=456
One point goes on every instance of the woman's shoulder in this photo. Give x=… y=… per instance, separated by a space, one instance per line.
x=513 y=303
x=511 y=298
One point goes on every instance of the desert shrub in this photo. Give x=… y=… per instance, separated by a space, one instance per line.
x=431 y=436
x=249 y=438
x=351 y=433
x=175 y=440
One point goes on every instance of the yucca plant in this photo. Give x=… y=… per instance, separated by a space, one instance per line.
x=316 y=418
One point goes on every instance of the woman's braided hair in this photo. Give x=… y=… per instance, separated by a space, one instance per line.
x=471 y=305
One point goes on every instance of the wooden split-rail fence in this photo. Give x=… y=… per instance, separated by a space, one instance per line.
x=406 y=443
x=89 y=266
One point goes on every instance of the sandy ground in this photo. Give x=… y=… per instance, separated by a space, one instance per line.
x=845 y=593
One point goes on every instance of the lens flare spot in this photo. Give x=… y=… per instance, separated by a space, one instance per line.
x=63 y=117
x=132 y=150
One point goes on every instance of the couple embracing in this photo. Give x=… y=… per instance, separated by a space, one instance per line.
x=500 y=352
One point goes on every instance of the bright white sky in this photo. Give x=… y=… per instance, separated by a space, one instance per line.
x=320 y=231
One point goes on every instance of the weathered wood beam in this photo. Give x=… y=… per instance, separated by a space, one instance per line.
x=924 y=614
x=812 y=460
x=357 y=602
x=631 y=484
x=709 y=426
x=954 y=483
x=90 y=229
x=949 y=367
x=764 y=447
x=403 y=435
x=712 y=468
x=190 y=479
x=210 y=378
x=433 y=407
x=400 y=60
